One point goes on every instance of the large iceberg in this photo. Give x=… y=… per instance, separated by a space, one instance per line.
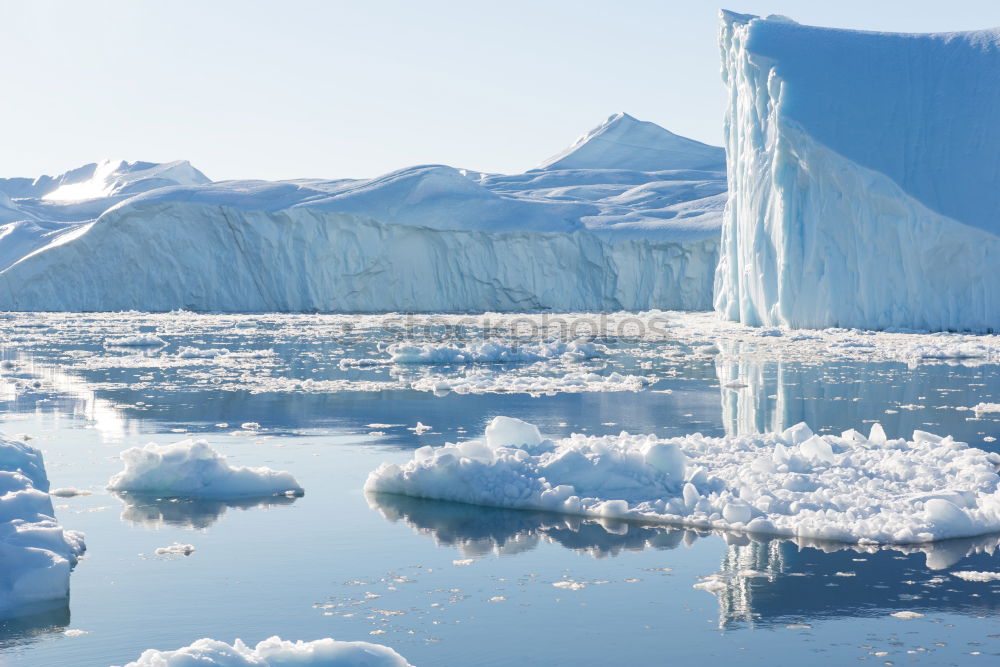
x=862 y=170
x=627 y=218
x=36 y=554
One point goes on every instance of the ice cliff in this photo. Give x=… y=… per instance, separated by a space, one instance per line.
x=627 y=218
x=862 y=170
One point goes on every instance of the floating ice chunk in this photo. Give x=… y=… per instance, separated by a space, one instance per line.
x=37 y=554
x=192 y=469
x=513 y=432
x=712 y=584
x=139 y=340
x=986 y=408
x=798 y=484
x=274 y=651
x=420 y=428
x=907 y=615
x=201 y=353
x=970 y=575
x=175 y=549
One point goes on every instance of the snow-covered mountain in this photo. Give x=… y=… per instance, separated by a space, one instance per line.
x=640 y=232
x=622 y=142
x=863 y=170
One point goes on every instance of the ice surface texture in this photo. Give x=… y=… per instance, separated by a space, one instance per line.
x=36 y=554
x=192 y=469
x=274 y=651
x=847 y=488
x=628 y=218
x=862 y=170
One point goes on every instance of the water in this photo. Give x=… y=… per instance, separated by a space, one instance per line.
x=457 y=585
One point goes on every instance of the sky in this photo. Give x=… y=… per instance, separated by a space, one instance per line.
x=333 y=89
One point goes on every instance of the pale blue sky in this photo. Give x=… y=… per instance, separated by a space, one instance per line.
x=287 y=89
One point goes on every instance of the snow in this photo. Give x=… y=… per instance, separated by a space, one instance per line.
x=862 y=168
x=192 y=469
x=37 y=553
x=616 y=225
x=274 y=651
x=848 y=488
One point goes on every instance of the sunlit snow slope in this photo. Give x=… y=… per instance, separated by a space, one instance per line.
x=863 y=171
x=627 y=218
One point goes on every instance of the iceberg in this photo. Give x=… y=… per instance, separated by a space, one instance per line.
x=862 y=169
x=849 y=488
x=192 y=469
x=274 y=651
x=36 y=554
x=627 y=219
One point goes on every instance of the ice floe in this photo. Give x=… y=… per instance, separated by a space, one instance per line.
x=848 y=488
x=192 y=469
x=494 y=351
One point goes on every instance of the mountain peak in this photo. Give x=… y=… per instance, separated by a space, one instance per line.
x=625 y=142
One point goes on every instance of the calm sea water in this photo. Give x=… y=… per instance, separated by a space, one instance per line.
x=449 y=584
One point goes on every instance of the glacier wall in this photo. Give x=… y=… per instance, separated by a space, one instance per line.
x=163 y=255
x=862 y=175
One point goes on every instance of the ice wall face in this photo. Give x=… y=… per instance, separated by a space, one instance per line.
x=862 y=171
x=639 y=232
x=202 y=257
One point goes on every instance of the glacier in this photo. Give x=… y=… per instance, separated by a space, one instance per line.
x=627 y=218
x=862 y=169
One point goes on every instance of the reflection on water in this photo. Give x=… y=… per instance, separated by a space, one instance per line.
x=759 y=581
x=836 y=395
x=479 y=531
x=778 y=581
x=194 y=514
x=31 y=626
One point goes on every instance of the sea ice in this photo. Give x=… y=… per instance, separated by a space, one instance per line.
x=493 y=351
x=848 y=488
x=274 y=651
x=138 y=340
x=192 y=469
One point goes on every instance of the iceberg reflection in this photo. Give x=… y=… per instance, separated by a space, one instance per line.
x=190 y=513
x=479 y=531
x=30 y=625
x=760 y=581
